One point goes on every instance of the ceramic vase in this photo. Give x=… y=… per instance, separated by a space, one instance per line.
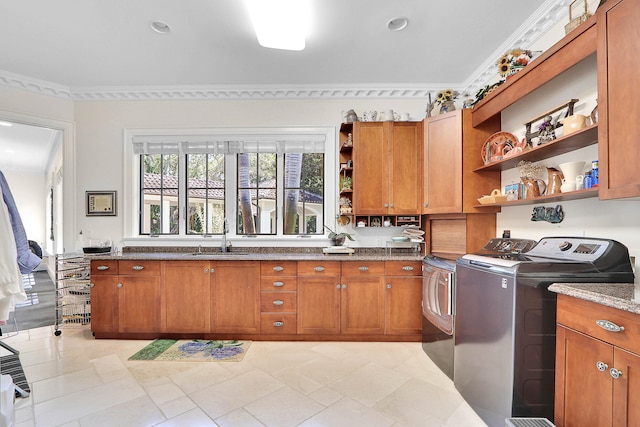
x=570 y=170
x=447 y=106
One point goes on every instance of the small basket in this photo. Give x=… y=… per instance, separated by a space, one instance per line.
x=495 y=197
x=575 y=22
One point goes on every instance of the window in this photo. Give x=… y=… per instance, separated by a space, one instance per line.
x=186 y=184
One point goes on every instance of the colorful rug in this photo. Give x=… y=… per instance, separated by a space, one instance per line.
x=193 y=351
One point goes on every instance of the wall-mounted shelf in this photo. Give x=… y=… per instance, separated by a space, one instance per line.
x=582 y=138
x=573 y=195
x=569 y=51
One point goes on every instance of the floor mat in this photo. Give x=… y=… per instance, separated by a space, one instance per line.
x=194 y=350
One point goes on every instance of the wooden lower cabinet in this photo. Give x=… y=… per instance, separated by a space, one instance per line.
x=347 y=300
x=597 y=382
x=127 y=301
x=186 y=298
x=403 y=298
x=236 y=291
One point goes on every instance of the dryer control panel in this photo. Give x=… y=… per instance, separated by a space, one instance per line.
x=570 y=248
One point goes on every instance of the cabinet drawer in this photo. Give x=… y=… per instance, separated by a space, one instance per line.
x=582 y=315
x=318 y=268
x=274 y=301
x=139 y=268
x=278 y=283
x=277 y=323
x=99 y=267
x=403 y=268
x=278 y=268
x=363 y=268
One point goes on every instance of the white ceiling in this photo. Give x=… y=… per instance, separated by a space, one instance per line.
x=97 y=45
x=25 y=148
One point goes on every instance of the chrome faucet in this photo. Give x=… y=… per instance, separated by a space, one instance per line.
x=225 y=229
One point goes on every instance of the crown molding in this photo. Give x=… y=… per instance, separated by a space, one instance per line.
x=547 y=15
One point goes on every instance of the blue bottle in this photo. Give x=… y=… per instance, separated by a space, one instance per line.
x=587 y=180
x=594 y=173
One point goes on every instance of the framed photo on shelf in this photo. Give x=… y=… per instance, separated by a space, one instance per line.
x=101 y=203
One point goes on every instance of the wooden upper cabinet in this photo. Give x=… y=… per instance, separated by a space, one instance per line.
x=452 y=150
x=618 y=82
x=387 y=168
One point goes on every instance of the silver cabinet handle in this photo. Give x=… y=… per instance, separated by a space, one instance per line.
x=318 y=268
x=278 y=268
x=388 y=285
x=344 y=286
x=137 y=268
x=91 y=285
x=278 y=324
x=407 y=268
x=338 y=286
x=278 y=302
x=119 y=285
x=601 y=366
x=212 y=270
x=391 y=205
x=363 y=268
x=278 y=284
x=615 y=373
x=386 y=205
x=102 y=267
x=609 y=326
x=206 y=270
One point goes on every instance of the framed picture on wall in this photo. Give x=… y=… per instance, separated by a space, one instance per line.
x=101 y=203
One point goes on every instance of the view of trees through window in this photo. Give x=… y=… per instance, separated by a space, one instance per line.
x=258 y=188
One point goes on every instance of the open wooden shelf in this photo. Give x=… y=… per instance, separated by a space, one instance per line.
x=582 y=138
x=573 y=195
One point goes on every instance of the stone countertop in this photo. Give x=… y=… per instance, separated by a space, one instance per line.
x=623 y=296
x=250 y=256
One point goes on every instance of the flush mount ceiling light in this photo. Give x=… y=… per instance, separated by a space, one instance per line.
x=280 y=24
x=398 y=24
x=2 y=123
x=160 y=27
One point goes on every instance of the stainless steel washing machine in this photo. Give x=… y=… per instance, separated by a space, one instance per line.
x=504 y=355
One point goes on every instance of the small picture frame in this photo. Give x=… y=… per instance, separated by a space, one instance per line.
x=101 y=203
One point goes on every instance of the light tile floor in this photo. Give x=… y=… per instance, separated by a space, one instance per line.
x=77 y=380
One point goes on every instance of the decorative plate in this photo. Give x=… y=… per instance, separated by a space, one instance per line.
x=497 y=145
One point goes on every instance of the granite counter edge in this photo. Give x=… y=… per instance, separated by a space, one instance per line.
x=599 y=293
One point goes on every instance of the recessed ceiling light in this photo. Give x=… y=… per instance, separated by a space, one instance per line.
x=160 y=27
x=398 y=24
x=5 y=123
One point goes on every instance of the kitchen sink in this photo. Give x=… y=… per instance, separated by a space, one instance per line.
x=218 y=253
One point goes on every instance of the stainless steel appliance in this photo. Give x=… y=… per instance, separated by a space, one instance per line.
x=505 y=320
x=438 y=282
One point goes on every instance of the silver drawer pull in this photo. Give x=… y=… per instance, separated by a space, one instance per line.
x=91 y=285
x=615 y=373
x=318 y=268
x=102 y=267
x=119 y=285
x=278 y=284
x=363 y=268
x=278 y=268
x=137 y=268
x=601 y=366
x=278 y=324
x=278 y=302
x=609 y=326
x=407 y=268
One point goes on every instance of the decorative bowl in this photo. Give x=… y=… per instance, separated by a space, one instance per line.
x=400 y=239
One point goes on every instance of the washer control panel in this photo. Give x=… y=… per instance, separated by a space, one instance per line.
x=570 y=248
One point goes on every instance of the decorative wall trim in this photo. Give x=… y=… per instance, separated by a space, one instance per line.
x=548 y=15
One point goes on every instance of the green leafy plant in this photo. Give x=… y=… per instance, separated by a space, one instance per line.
x=338 y=238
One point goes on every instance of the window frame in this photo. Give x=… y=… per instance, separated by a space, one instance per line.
x=131 y=193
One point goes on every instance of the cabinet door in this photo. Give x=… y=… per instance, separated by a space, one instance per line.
x=104 y=303
x=618 y=83
x=319 y=305
x=187 y=296
x=403 y=308
x=370 y=168
x=442 y=159
x=139 y=303
x=405 y=171
x=584 y=394
x=626 y=389
x=236 y=292
x=362 y=305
